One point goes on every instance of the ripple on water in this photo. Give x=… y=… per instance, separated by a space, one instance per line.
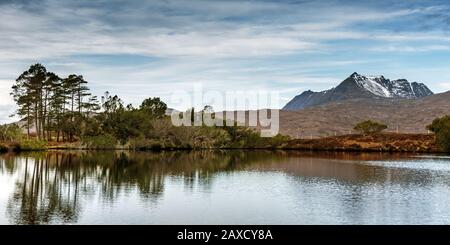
x=430 y=163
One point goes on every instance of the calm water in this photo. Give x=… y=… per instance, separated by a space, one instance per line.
x=234 y=187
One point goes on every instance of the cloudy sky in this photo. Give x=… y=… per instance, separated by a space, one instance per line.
x=141 y=48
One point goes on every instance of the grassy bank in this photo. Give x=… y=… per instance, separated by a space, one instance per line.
x=24 y=145
x=386 y=142
x=108 y=142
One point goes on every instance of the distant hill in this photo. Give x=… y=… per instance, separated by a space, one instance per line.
x=400 y=114
x=362 y=87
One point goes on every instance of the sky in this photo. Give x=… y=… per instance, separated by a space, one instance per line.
x=140 y=49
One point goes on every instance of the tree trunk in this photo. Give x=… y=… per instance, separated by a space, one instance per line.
x=45 y=118
x=36 y=120
x=42 y=116
x=28 y=122
x=79 y=99
x=71 y=111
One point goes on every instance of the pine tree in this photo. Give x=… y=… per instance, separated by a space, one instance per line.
x=81 y=91
x=28 y=94
x=57 y=107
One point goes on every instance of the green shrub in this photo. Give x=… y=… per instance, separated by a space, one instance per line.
x=104 y=141
x=279 y=140
x=10 y=132
x=243 y=137
x=370 y=127
x=32 y=145
x=221 y=138
x=441 y=127
x=145 y=144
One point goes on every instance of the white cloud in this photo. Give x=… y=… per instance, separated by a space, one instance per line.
x=224 y=44
x=444 y=86
x=5 y=90
x=422 y=48
x=7 y=106
x=400 y=37
x=69 y=31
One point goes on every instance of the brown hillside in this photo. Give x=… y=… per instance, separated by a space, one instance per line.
x=338 y=118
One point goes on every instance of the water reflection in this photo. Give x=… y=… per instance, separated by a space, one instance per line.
x=48 y=186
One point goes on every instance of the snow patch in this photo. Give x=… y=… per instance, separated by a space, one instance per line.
x=380 y=86
x=372 y=84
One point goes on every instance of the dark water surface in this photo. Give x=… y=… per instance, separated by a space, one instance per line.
x=232 y=187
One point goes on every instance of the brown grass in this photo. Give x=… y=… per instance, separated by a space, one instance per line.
x=386 y=142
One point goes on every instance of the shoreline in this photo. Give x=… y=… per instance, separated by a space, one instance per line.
x=386 y=142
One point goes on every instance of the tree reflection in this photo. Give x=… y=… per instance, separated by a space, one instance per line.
x=50 y=184
x=43 y=193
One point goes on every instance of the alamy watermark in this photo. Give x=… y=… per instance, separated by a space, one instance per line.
x=241 y=108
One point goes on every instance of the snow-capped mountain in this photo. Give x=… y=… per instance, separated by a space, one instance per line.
x=359 y=86
x=401 y=88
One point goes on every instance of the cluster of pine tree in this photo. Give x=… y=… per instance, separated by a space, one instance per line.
x=52 y=104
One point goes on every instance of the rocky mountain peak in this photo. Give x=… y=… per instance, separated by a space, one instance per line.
x=360 y=86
